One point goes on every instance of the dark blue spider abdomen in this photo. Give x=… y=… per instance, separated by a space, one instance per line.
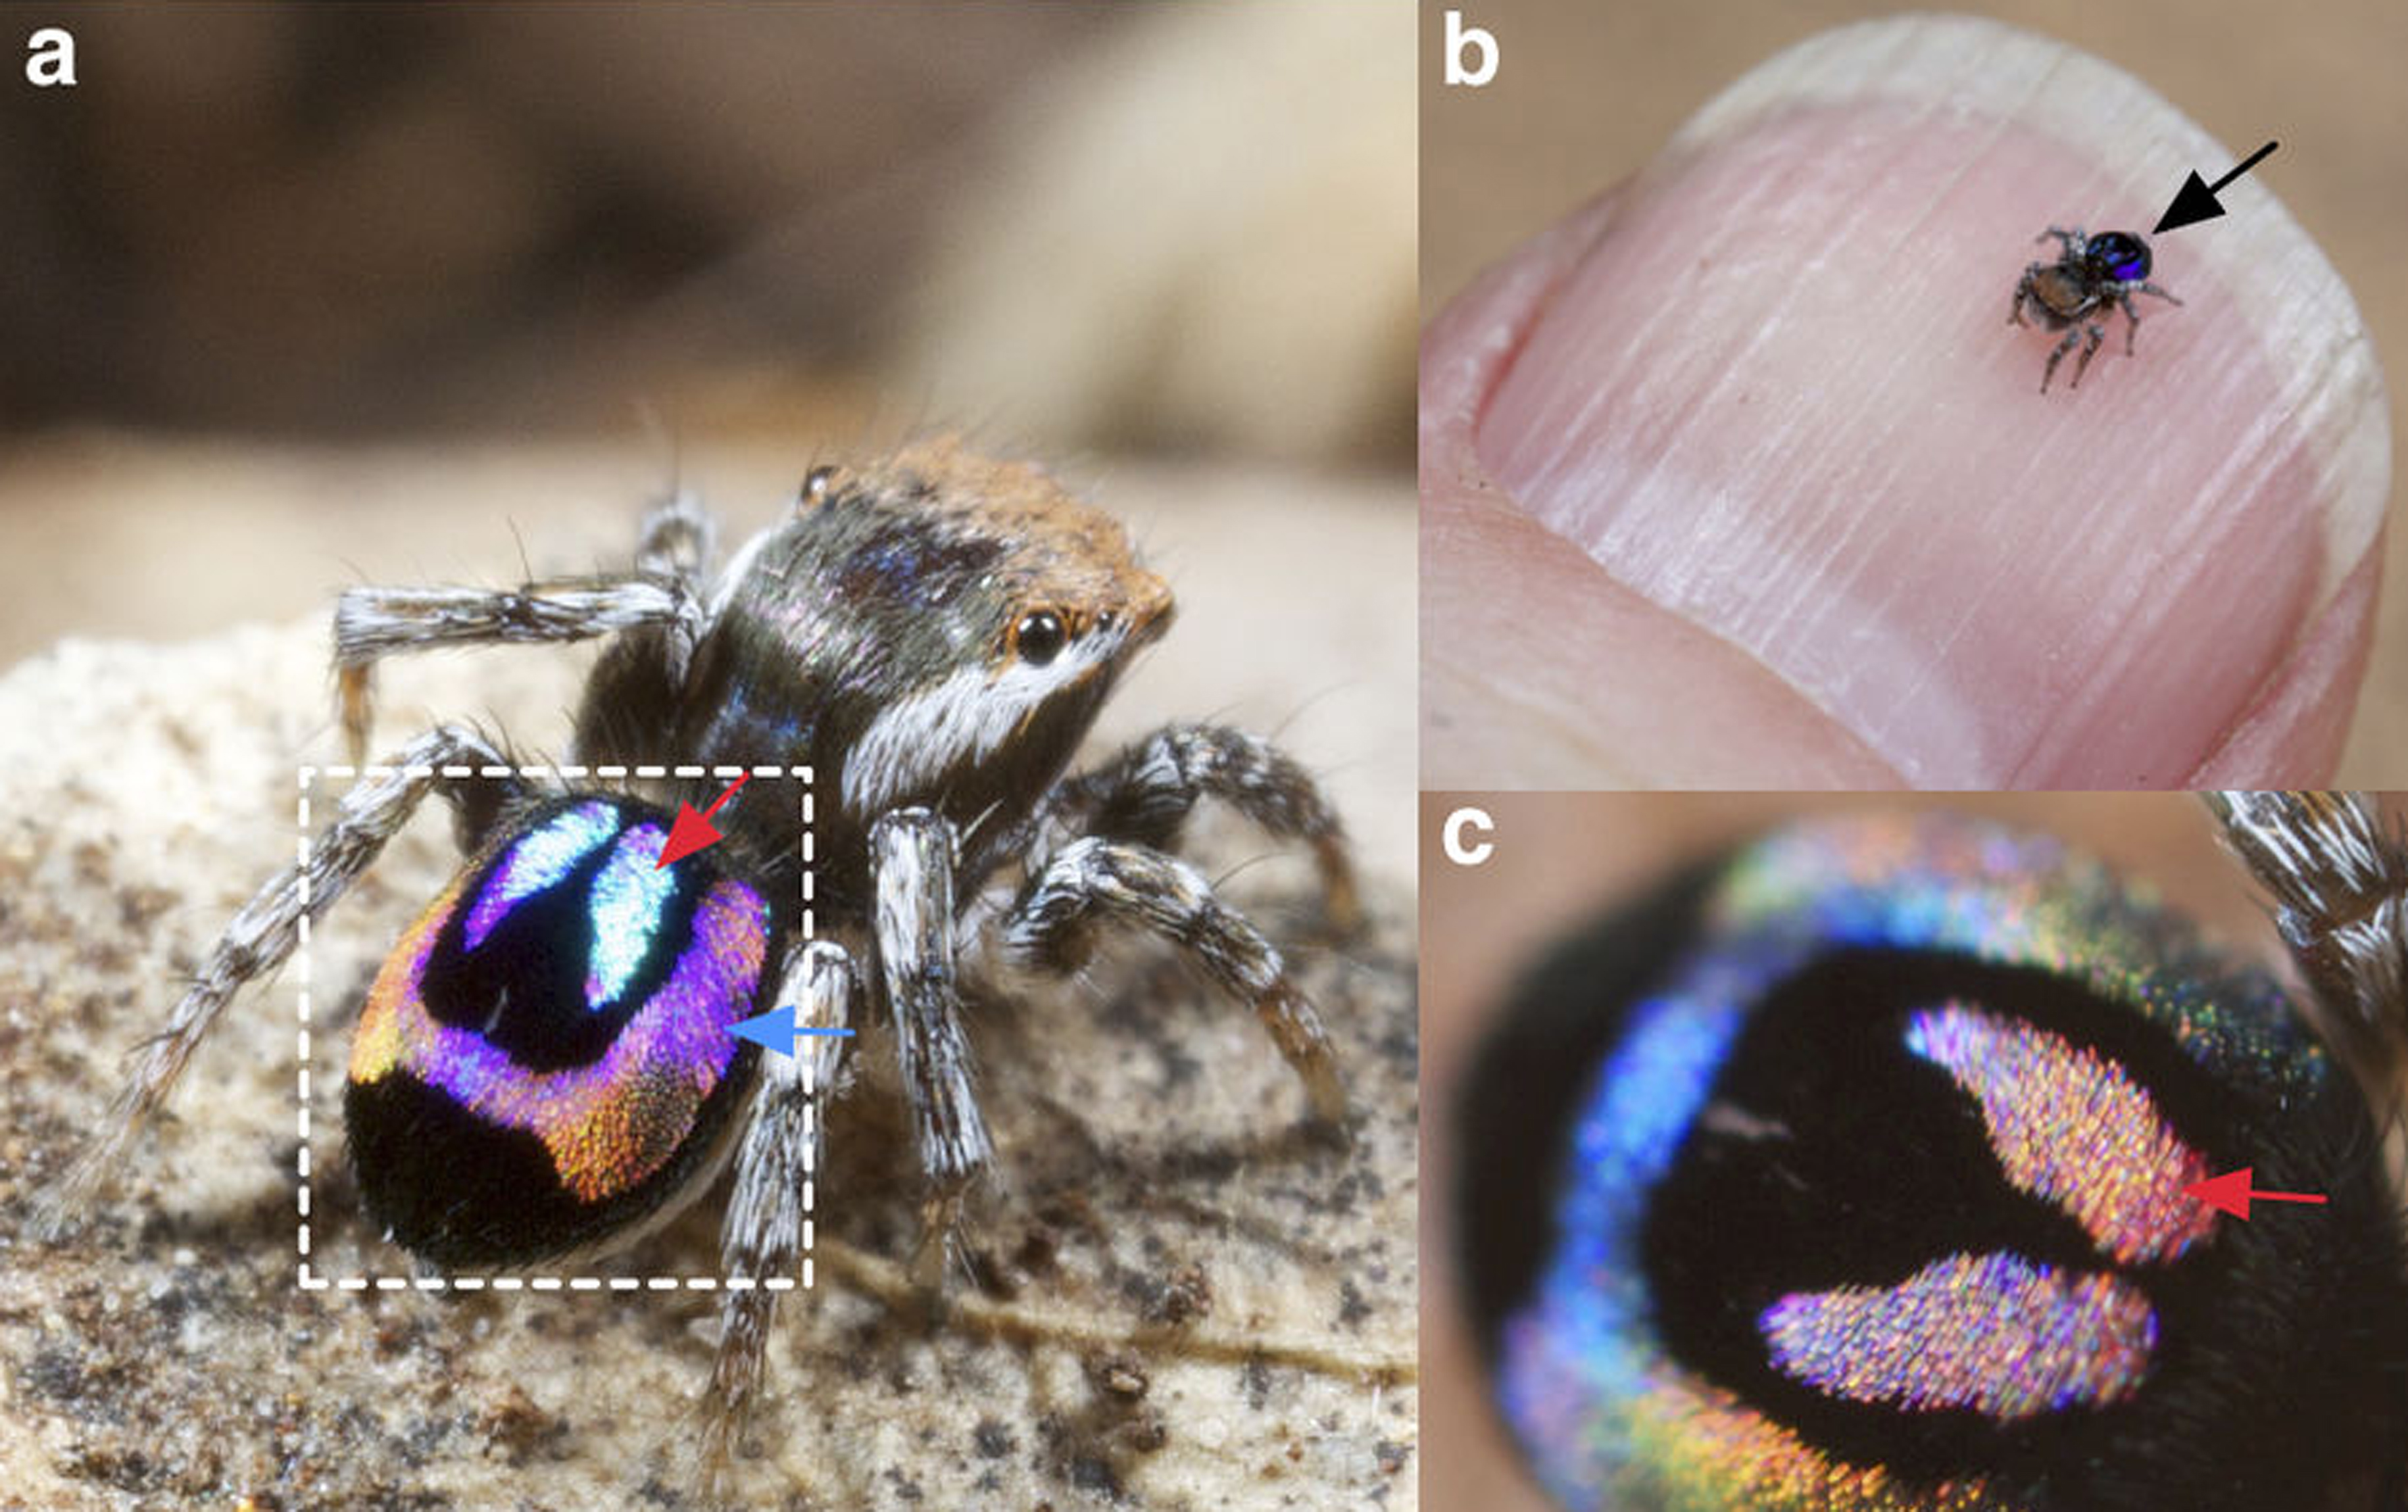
x=2119 y=255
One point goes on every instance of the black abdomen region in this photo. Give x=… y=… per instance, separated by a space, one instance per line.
x=464 y=1194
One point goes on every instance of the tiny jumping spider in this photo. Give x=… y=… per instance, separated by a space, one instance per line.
x=2090 y=271
x=543 y=1068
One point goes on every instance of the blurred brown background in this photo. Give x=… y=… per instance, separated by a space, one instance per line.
x=1588 y=93
x=272 y=273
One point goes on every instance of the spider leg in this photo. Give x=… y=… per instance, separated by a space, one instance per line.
x=1145 y=793
x=2334 y=871
x=2023 y=292
x=2097 y=333
x=679 y=540
x=634 y=691
x=767 y=1224
x=1093 y=880
x=2057 y=356
x=911 y=857
x=371 y=623
x=2131 y=316
x=2070 y=239
x=262 y=933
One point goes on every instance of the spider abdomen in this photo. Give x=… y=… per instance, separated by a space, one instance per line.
x=545 y=1058
x=1862 y=1182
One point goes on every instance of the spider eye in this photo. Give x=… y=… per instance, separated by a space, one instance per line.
x=816 y=484
x=1038 y=638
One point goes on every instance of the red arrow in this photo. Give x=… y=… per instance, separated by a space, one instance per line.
x=692 y=831
x=2230 y=1193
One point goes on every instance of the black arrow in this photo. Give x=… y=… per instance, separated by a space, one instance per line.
x=2195 y=201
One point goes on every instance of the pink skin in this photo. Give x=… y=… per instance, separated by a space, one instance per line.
x=1740 y=477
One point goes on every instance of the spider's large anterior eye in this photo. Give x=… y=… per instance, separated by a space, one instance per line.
x=1038 y=638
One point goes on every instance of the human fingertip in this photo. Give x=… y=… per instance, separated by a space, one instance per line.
x=1776 y=398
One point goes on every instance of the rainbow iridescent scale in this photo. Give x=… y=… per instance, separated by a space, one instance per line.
x=542 y=1066
x=1869 y=1195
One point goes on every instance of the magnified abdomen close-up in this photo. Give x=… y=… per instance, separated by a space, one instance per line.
x=1887 y=1160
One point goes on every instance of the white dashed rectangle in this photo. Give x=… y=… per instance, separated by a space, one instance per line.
x=310 y=1281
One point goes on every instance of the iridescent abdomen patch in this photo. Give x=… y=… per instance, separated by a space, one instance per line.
x=1849 y=1175
x=1996 y=1334
x=547 y=1051
x=2070 y=1126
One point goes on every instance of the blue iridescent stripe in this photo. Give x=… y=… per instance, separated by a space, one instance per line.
x=629 y=893
x=537 y=860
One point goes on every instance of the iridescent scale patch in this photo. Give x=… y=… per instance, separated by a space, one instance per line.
x=1993 y=1332
x=629 y=892
x=539 y=860
x=2071 y=1127
x=587 y=1000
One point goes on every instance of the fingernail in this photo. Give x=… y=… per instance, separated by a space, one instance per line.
x=2293 y=737
x=1779 y=397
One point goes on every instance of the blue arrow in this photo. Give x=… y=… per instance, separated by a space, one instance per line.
x=776 y=1029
